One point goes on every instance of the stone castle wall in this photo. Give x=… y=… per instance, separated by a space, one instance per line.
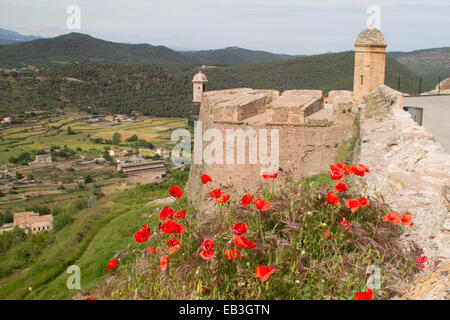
x=305 y=147
x=409 y=168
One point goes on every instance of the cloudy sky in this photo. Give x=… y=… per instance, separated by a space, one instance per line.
x=282 y=26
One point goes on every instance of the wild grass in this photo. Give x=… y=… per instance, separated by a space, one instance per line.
x=289 y=238
x=92 y=236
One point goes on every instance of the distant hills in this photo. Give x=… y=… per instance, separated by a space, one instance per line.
x=78 y=47
x=9 y=36
x=84 y=73
x=167 y=91
x=234 y=56
x=428 y=63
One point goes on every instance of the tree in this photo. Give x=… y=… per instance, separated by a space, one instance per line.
x=116 y=138
x=70 y=131
x=133 y=138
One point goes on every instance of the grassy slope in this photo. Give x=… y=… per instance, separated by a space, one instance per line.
x=89 y=242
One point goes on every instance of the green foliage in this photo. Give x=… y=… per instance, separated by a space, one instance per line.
x=133 y=138
x=116 y=138
x=124 y=88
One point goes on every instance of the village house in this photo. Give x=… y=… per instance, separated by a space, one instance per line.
x=114 y=152
x=29 y=222
x=127 y=152
x=43 y=159
x=148 y=165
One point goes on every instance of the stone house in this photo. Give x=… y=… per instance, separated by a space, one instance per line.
x=29 y=222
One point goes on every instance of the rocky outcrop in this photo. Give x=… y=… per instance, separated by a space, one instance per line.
x=409 y=169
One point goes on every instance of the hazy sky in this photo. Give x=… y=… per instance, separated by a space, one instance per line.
x=282 y=26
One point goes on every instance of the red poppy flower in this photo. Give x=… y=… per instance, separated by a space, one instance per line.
x=166 y=213
x=336 y=174
x=239 y=228
x=364 y=202
x=246 y=199
x=150 y=249
x=91 y=299
x=359 y=170
x=407 y=220
x=261 y=204
x=206 y=178
x=364 y=295
x=332 y=198
x=232 y=254
x=207 y=254
x=353 y=204
x=173 y=245
x=215 y=193
x=340 y=187
x=142 y=235
x=269 y=174
x=264 y=272
x=207 y=244
x=223 y=198
x=391 y=216
x=346 y=224
x=338 y=166
x=172 y=227
x=175 y=192
x=348 y=170
x=243 y=242
x=327 y=234
x=421 y=261
x=112 y=264
x=180 y=214
x=366 y=168
x=163 y=262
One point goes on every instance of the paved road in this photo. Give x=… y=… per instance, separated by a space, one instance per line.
x=436 y=116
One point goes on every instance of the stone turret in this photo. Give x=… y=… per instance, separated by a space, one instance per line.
x=370 y=63
x=199 y=87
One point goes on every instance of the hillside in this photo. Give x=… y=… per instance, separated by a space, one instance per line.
x=77 y=47
x=97 y=87
x=122 y=88
x=326 y=72
x=233 y=56
x=428 y=63
x=9 y=36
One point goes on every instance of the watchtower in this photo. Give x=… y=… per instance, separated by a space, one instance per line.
x=370 y=63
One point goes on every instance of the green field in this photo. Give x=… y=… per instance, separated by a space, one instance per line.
x=94 y=235
x=33 y=136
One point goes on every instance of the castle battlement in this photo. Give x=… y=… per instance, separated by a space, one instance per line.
x=258 y=106
x=309 y=129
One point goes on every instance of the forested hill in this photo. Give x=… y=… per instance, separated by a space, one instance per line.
x=122 y=88
x=78 y=47
x=234 y=56
x=326 y=72
x=429 y=63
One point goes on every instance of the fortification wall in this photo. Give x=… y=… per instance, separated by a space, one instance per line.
x=409 y=169
x=304 y=148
